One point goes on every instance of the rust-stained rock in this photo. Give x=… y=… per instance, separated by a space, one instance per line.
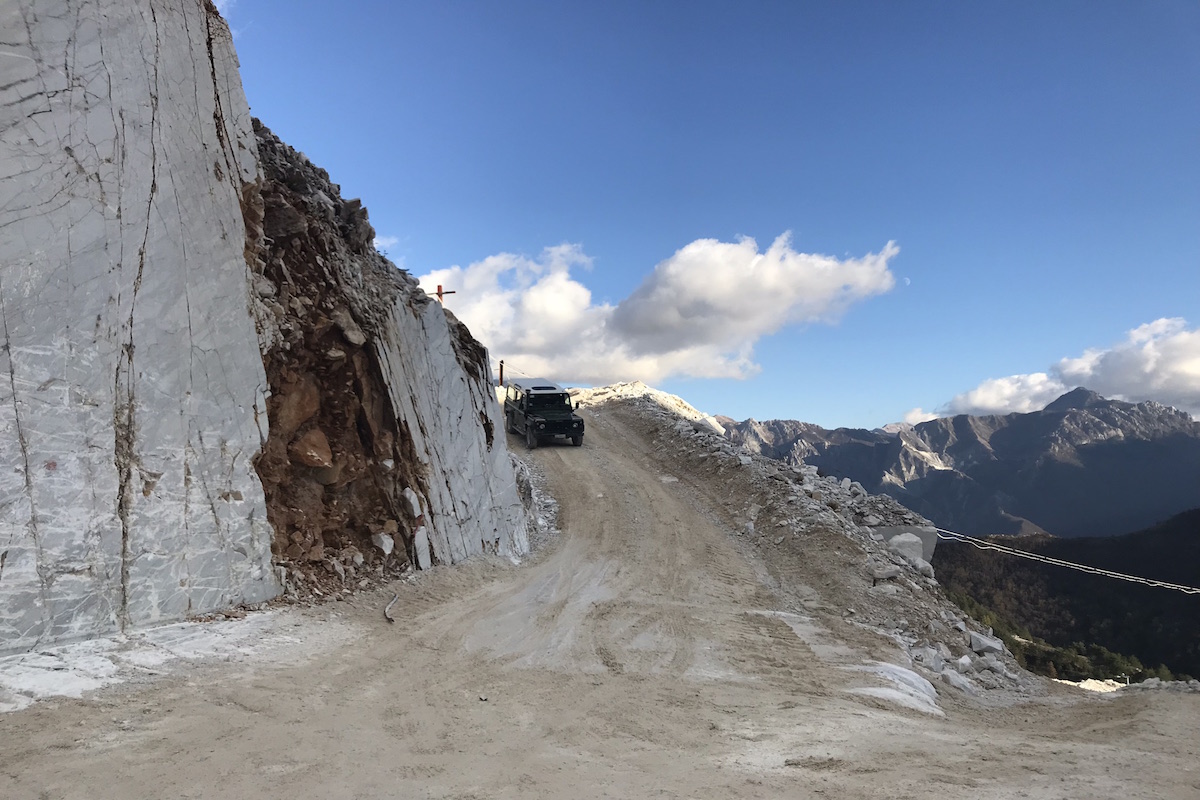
x=295 y=405
x=282 y=221
x=312 y=449
x=354 y=335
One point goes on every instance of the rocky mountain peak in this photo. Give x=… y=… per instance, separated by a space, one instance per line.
x=1078 y=398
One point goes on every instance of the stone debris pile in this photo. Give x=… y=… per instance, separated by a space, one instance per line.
x=871 y=555
x=381 y=445
x=701 y=422
x=1159 y=685
x=540 y=505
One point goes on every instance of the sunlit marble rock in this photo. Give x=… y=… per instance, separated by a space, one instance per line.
x=131 y=385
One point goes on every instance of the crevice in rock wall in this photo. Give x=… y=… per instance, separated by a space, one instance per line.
x=125 y=378
x=23 y=445
x=473 y=358
x=336 y=462
x=219 y=120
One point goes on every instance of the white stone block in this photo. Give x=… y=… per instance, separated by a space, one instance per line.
x=927 y=535
x=421 y=538
x=960 y=682
x=907 y=546
x=986 y=644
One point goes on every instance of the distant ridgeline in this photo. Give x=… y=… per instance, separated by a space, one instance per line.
x=1068 y=608
x=1083 y=466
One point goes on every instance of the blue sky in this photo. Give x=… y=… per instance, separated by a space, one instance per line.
x=593 y=172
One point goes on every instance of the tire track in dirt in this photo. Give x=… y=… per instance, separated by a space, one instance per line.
x=641 y=582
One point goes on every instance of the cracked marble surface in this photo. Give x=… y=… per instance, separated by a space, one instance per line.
x=472 y=497
x=130 y=376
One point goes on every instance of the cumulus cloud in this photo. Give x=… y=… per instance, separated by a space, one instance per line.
x=1157 y=361
x=699 y=313
x=384 y=242
x=918 y=415
x=1015 y=393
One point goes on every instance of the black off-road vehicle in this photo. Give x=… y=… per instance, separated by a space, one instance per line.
x=540 y=410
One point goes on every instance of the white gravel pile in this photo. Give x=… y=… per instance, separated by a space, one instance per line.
x=898 y=593
x=636 y=390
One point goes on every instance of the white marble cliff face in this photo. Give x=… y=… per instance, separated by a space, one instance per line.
x=131 y=385
x=472 y=505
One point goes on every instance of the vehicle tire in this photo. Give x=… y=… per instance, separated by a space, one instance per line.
x=577 y=439
x=530 y=437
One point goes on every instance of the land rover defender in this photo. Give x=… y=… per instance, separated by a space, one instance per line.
x=540 y=409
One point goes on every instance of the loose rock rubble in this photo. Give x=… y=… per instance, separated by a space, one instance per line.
x=1156 y=684
x=871 y=553
x=381 y=444
x=540 y=507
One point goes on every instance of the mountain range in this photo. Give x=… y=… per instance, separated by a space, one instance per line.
x=1082 y=466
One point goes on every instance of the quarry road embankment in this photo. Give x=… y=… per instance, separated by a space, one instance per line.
x=639 y=654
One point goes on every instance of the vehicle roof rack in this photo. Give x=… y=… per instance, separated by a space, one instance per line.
x=538 y=385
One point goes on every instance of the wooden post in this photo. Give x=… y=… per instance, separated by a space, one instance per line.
x=440 y=293
x=501 y=372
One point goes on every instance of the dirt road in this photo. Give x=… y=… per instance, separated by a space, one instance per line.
x=636 y=656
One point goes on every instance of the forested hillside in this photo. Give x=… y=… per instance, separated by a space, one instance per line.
x=1065 y=607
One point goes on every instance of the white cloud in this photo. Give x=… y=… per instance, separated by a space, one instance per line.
x=225 y=6
x=1015 y=393
x=918 y=415
x=699 y=313
x=1157 y=361
x=384 y=242
x=714 y=293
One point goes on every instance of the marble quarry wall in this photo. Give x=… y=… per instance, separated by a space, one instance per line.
x=147 y=322
x=131 y=386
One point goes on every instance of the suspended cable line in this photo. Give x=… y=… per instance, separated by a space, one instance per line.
x=1058 y=562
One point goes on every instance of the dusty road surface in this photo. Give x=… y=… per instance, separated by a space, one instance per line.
x=634 y=657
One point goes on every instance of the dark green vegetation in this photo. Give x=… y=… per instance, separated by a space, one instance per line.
x=1128 y=628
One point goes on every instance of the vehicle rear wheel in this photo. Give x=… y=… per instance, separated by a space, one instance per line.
x=530 y=438
x=577 y=439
